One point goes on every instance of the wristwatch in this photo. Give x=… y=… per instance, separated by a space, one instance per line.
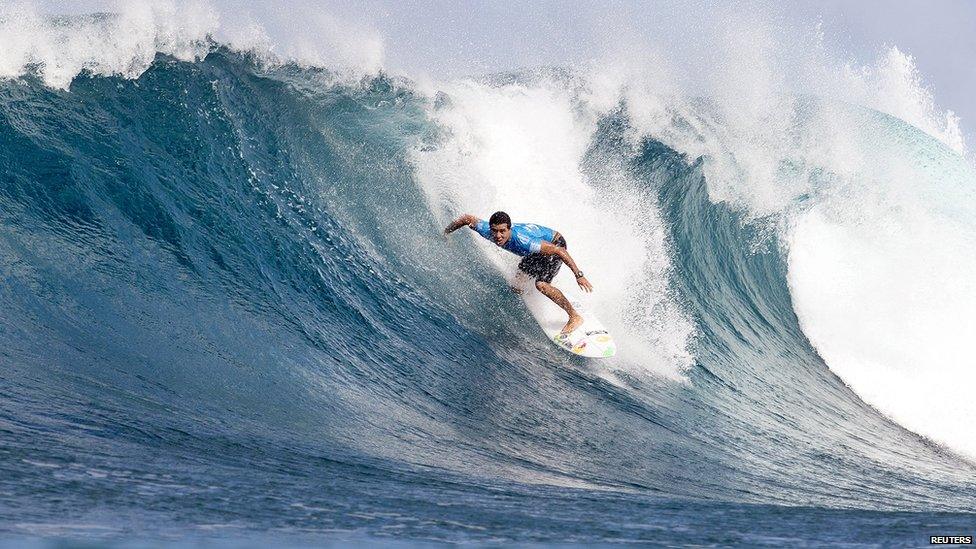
x=579 y=275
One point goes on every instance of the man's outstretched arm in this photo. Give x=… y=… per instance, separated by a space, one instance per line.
x=552 y=249
x=466 y=219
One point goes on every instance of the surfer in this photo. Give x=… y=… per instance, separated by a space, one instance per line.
x=543 y=251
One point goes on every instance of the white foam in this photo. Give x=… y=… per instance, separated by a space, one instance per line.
x=304 y=33
x=123 y=44
x=741 y=105
x=123 y=38
x=518 y=148
x=888 y=299
x=893 y=85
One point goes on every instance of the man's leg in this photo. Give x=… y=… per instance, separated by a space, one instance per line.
x=558 y=298
x=518 y=280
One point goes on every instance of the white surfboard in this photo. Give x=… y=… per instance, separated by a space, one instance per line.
x=591 y=339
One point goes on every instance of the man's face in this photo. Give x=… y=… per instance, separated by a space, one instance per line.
x=500 y=233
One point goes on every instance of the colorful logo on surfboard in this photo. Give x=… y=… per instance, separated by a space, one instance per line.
x=603 y=342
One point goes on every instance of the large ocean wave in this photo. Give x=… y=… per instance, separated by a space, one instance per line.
x=218 y=265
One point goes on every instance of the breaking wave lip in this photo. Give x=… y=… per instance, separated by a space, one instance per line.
x=125 y=41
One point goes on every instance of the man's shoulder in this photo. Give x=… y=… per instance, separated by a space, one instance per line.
x=481 y=227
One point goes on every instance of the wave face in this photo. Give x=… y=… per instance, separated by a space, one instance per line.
x=226 y=304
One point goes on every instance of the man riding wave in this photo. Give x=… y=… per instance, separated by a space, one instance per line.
x=543 y=251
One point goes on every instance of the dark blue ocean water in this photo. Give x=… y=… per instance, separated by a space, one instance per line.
x=218 y=326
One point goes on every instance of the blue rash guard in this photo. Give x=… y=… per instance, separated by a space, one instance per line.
x=527 y=238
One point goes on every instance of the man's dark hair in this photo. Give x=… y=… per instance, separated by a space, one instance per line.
x=498 y=218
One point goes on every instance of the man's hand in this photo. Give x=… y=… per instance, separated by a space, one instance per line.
x=466 y=219
x=584 y=283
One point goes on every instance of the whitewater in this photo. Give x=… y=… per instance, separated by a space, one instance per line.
x=228 y=311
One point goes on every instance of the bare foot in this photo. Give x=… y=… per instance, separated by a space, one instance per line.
x=575 y=321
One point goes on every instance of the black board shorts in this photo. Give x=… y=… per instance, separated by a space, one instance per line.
x=543 y=267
